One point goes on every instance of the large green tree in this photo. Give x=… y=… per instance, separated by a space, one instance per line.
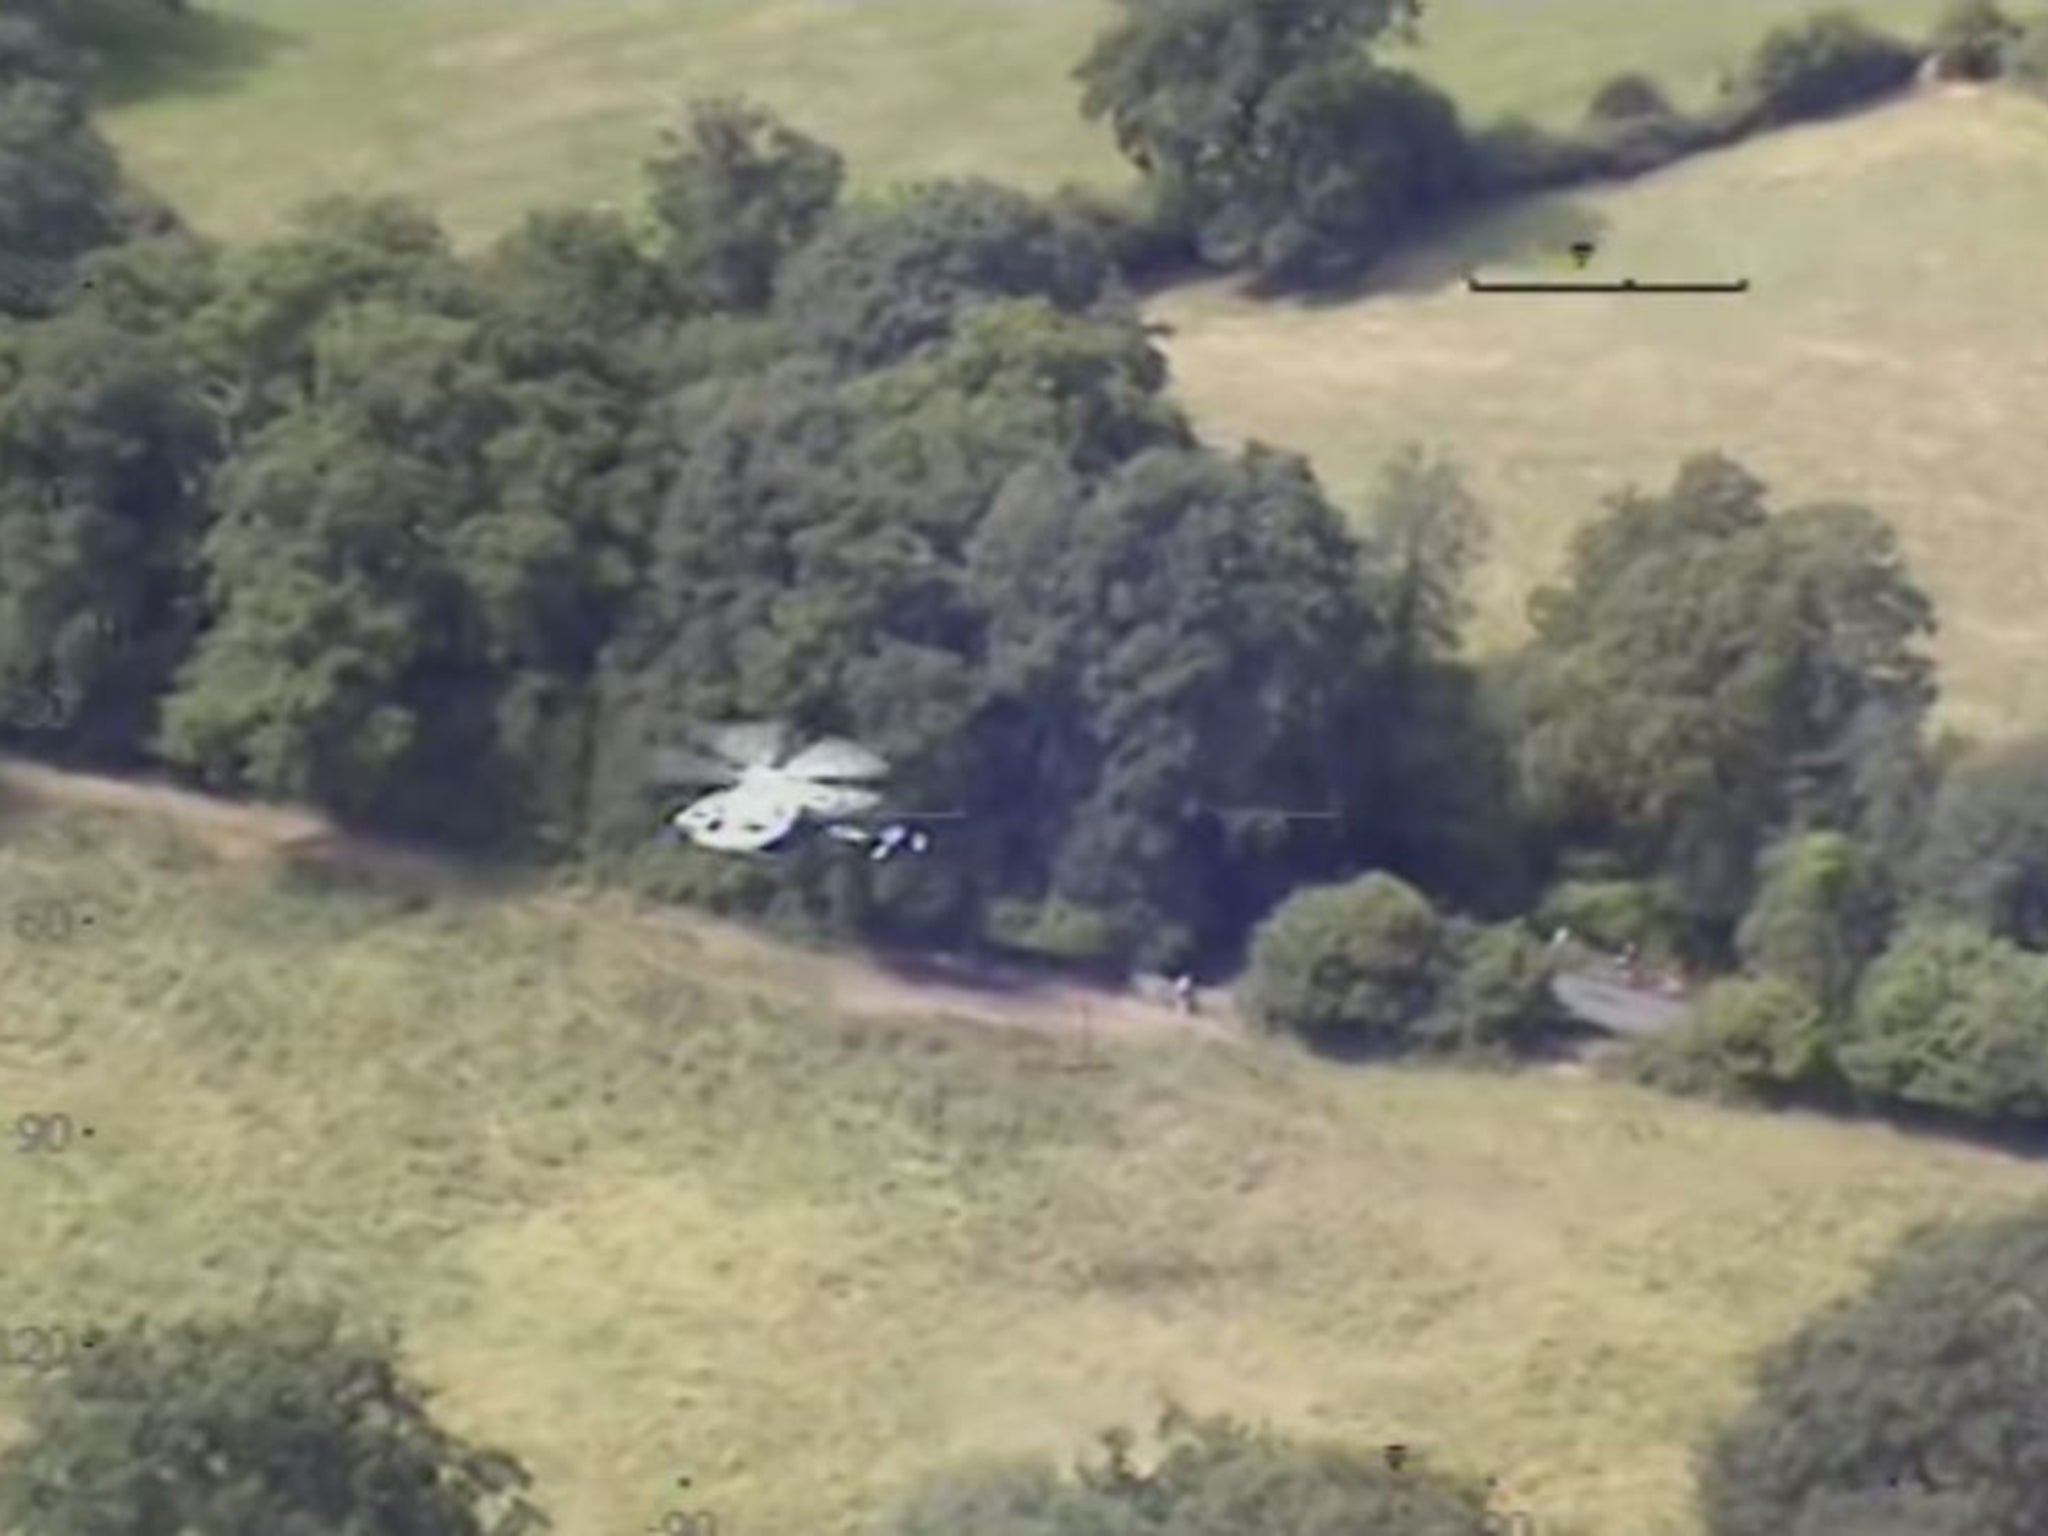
x=105 y=449
x=334 y=655
x=1914 y=1408
x=1985 y=855
x=1266 y=132
x=1693 y=687
x=1191 y=633
x=61 y=193
x=288 y=1422
x=882 y=279
x=735 y=194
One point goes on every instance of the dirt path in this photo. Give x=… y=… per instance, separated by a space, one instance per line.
x=241 y=833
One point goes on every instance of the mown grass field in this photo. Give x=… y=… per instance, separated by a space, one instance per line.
x=485 y=108
x=1893 y=350
x=645 y=1208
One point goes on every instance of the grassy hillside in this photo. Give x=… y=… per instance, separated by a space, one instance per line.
x=486 y=109
x=1893 y=350
x=647 y=1207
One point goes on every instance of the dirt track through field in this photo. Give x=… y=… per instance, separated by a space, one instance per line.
x=242 y=834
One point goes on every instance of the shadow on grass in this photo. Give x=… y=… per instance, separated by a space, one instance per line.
x=1533 y=236
x=140 y=54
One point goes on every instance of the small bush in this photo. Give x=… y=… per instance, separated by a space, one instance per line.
x=1955 y=1020
x=1052 y=930
x=1827 y=63
x=1627 y=96
x=1348 y=966
x=1748 y=1039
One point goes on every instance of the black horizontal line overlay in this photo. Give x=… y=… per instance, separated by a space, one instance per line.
x=1626 y=285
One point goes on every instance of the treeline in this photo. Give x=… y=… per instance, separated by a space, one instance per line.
x=1272 y=140
x=443 y=545
x=446 y=545
x=1720 y=758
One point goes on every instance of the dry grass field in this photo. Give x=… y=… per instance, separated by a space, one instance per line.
x=1892 y=350
x=646 y=1204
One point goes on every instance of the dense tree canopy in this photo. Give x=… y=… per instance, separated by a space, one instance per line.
x=882 y=279
x=1952 y=1020
x=1698 y=683
x=1985 y=855
x=285 y=1423
x=1819 y=918
x=735 y=196
x=105 y=446
x=1914 y=1408
x=1266 y=132
x=61 y=193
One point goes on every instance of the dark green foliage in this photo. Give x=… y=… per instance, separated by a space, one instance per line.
x=333 y=663
x=569 y=289
x=1626 y=96
x=1210 y=1476
x=1004 y=565
x=1443 y=760
x=881 y=280
x=1985 y=855
x=439 y=494
x=1954 y=1020
x=1819 y=918
x=1188 y=632
x=1614 y=915
x=735 y=197
x=246 y=1429
x=1515 y=156
x=1830 y=61
x=60 y=187
x=1268 y=136
x=104 y=449
x=1822 y=65
x=255 y=340
x=1348 y=966
x=1746 y=1038
x=1494 y=995
x=1915 y=1408
x=1691 y=689
x=1972 y=39
x=1144 y=246
x=1350 y=160
x=1425 y=532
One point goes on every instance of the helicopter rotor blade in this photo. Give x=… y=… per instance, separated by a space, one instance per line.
x=835 y=757
x=685 y=765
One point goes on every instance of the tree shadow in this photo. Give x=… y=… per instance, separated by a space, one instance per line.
x=1533 y=231
x=1530 y=233
x=145 y=54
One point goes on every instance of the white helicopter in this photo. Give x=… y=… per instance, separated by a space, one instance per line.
x=765 y=797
